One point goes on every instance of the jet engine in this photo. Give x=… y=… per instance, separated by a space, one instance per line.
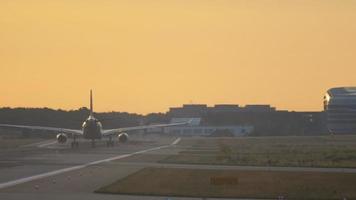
x=123 y=137
x=61 y=138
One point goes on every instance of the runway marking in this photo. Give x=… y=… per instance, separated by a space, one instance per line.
x=60 y=171
x=176 y=141
x=37 y=144
x=46 y=144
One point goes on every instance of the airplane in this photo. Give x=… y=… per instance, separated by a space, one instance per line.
x=92 y=130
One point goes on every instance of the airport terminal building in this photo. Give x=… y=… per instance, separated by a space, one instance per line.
x=253 y=120
x=197 y=128
x=202 y=125
x=199 y=110
x=339 y=117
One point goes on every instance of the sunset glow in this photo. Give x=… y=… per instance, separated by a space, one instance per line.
x=146 y=56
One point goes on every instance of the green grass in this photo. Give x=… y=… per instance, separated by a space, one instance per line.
x=326 y=151
x=235 y=184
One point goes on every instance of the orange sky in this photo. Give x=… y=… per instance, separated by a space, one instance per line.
x=147 y=55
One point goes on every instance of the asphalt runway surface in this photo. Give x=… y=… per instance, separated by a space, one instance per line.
x=47 y=170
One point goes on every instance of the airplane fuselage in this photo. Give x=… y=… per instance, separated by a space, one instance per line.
x=92 y=128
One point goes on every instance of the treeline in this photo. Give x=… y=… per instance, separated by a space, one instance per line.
x=264 y=123
x=73 y=119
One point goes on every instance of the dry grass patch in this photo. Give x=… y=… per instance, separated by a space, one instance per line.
x=235 y=184
x=325 y=151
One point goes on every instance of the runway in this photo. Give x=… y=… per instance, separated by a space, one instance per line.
x=46 y=170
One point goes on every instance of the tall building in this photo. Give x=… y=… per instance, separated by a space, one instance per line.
x=340 y=108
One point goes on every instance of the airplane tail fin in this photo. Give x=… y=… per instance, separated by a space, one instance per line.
x=91 y=103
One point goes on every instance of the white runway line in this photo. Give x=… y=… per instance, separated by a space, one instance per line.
x=60 y=171
x=37 y=144
x=176 y=141
x=47 y=144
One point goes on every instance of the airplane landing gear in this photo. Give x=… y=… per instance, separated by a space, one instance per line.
x=74 y=144
x=110 y=143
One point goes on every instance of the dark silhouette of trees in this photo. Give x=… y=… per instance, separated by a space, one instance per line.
x=67 y=119
x=265 y=123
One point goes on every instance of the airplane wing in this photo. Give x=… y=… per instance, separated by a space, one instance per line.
x=120 y=130
x=60 y=130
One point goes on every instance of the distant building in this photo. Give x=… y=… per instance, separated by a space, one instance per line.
x=189 y=110
x=225 y=108
x=340 y=108
x=256 y=120
x=197 y=128
x=199 y=110
x=259 y=108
